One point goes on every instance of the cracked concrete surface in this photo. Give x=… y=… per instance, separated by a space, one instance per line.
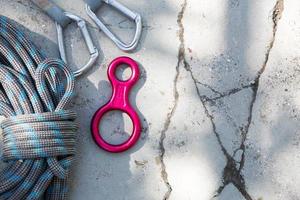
x=217 y=98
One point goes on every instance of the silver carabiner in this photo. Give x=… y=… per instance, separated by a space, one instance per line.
x=62 y=19
x=93 y=51
x=92 y=6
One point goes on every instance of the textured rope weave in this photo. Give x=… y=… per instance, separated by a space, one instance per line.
x=38 y=132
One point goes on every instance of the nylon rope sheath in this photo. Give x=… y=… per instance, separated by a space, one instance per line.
x=38 y=132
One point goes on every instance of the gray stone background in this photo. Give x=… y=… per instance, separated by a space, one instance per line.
x=218 y=97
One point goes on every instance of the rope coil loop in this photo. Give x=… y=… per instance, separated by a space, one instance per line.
x=39 y=132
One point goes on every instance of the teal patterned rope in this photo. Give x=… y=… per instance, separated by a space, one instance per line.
x=38 y=132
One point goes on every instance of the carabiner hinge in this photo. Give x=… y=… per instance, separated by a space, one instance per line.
x=93 y=51
x=127 y=12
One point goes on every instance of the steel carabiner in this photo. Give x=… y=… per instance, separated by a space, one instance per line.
x=62 y=19
x=92 y=5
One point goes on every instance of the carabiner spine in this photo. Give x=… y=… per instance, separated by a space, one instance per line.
x=60 y=41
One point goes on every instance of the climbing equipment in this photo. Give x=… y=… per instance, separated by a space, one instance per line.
x=94 y=5
x=62 y=19
x=38 y=132
x=119 y=101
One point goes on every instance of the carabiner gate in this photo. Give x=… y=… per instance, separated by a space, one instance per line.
x=91 y=7
x=93 y=51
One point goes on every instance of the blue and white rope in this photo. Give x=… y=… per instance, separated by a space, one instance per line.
x=38 y=132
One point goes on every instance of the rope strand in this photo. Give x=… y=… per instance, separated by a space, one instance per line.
x=38 y=132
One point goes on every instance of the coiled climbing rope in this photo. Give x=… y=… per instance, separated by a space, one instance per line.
x=38 y=132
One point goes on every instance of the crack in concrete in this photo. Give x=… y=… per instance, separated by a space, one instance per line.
x=230 y=170
x=180 y=58
x=210 y=88
x=229 y=92
x=232 y=173
x=276 y=16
